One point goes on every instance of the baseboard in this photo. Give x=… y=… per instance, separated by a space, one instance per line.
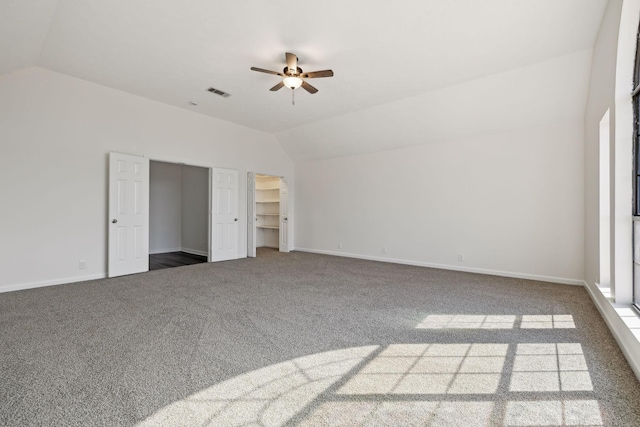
x=627 y=342
x=186 y=250
x=560 y=280
x=194 y=251
x=32 y=285
x=164 y=251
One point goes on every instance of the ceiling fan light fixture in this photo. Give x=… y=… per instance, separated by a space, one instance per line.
x=292 y=82
x=293 y=77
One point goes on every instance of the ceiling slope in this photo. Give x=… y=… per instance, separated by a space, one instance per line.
x=381 y=52
x=23 y=28
x=549 y=91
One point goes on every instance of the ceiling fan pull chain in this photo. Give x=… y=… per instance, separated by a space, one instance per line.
x=293 y=97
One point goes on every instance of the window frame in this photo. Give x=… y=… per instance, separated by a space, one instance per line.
x=635 y=100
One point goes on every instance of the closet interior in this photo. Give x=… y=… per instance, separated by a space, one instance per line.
x=178 y=214
x=267 y=211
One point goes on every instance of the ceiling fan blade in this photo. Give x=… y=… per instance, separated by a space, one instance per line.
x=292 y=62
x=277 y=87
x=306 y=86
x=262 y=70
x=315 y=74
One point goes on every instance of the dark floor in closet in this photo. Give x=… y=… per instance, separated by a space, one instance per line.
x=174 y=259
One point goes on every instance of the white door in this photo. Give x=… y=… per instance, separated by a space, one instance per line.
x=251 y=214
x=284 y=216
x=128 y=214
x=224 y=215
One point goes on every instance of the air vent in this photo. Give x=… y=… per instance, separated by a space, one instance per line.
x=219 y=92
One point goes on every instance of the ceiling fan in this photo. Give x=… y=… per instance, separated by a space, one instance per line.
x=293 y=76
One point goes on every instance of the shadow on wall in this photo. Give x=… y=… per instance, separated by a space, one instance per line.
x=461 y=384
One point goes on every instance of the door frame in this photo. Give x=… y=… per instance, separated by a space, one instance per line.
x=284 y=230
x=251 y=215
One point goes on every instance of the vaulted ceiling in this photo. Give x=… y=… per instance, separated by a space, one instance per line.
x=383 y=53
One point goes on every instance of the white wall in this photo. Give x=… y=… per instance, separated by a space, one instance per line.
x=165 y=207
x=56 y=132
x=601 y=98
x=510 y=203
x=195 y=209
x=492 y=169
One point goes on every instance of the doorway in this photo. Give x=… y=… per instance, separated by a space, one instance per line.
x=194 y=210
x=178 y=214
x=268 y=215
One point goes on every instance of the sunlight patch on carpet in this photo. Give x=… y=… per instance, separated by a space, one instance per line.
x=430 y=384
x=478 y=321
x=268 y=396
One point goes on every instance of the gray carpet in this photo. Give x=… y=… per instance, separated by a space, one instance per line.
x=303 y=339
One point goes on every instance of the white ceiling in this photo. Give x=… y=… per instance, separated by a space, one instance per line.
x=381 y=51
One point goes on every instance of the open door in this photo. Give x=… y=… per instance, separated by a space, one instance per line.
x=284 y=216
x=224 y=214
x=128 y=214
x=251 y=215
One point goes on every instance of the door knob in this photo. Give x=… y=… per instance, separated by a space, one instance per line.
x=235 y=219
x=114 y=221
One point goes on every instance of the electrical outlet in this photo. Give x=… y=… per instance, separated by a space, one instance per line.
x=384 y=250
x=82 y=264
x=460 y=258
x=339 y=245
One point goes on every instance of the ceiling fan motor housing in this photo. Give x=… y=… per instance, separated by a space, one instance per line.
x=298 y=71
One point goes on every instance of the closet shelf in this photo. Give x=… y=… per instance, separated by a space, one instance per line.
x=267 y=211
